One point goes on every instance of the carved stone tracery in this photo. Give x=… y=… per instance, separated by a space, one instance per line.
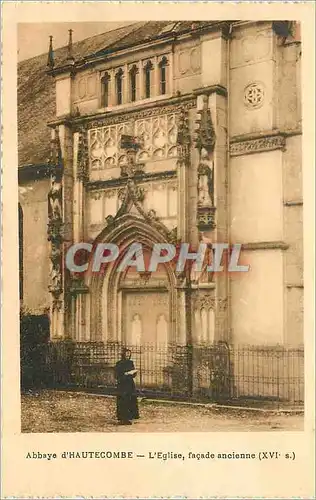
x=184 y=138
x=157 y=136
x=83 y=157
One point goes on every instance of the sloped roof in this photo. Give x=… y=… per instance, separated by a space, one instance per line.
x=36 y=89
x=37 y=98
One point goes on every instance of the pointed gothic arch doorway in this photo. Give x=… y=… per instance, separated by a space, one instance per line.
x=145 y=301
x=132 y=307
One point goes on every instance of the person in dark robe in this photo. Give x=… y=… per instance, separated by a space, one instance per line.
x=126 y=402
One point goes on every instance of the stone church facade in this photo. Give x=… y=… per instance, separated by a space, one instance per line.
x=211 y=119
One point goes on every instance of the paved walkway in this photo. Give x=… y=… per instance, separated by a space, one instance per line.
x=53 y=411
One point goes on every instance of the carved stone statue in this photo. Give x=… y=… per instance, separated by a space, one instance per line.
x=55 y=278
x=55 y=198
x=55 y=255
x=205 y=180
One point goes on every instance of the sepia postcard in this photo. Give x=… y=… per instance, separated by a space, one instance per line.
x=158 y=250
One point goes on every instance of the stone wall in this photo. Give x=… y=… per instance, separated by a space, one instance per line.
x=266 y=187
x=33 y=200
x=251 y=84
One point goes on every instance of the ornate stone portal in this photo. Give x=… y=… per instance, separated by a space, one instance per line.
x=101 y=304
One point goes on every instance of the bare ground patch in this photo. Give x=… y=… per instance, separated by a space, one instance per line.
x=53 y=411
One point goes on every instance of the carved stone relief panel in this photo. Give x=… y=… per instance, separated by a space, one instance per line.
x=249 y=46
x=188 y=61
x=254 y=95
x=95 y=207
x=86 y=87
x=173 y=200
x=161 y=196
x=104 y=142
x=111 y=202
x=139 y=326
x=101 y=204
x=158 y=136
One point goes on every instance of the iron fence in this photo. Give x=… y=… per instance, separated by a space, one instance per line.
x=202 y=372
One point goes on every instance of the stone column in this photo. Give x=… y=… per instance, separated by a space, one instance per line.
x=156 y=77
x=140 y=81
x=80 y=170
x=214 y=95
x=212 y=208
x=66 y=137
x=218 y=108
x=125 y=83
x=60 y=226
x=184 y=141
x=111 y=83
x=170 y=74
x=183 y=165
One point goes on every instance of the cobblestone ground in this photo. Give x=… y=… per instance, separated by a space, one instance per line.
x=54 y=411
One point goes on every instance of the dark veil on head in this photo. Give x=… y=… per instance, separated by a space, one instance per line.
x=125 y=352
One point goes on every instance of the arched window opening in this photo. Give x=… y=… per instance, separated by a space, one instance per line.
x=21 y=251
x=105 y=89
x=133 y=83
x=147 y=70
x=119 y=86
x=163 y=75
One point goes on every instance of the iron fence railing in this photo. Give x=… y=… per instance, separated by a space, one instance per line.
x=209 y=372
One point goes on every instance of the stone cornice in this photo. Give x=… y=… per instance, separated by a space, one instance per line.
x=293 y=203
x=175 y=103
x=212 y=89
x=261 y=143
x=162 y=39
x=121 y=181
x=265 y=245
x=265 y=133
x=172 y=104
